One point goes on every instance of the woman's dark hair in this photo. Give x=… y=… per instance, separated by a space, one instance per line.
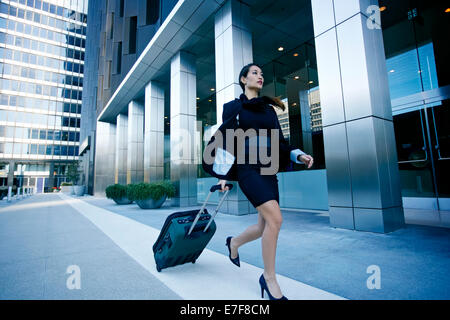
x=275 y=101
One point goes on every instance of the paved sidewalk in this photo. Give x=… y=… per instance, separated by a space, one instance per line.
x=413 y=261
x=211 y=277
x=41 y=236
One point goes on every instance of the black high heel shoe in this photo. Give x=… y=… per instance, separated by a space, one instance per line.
x=263 y=284
x=235 y=260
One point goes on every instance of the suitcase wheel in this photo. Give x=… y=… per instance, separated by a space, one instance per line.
x=158 y=268
x=193 y=261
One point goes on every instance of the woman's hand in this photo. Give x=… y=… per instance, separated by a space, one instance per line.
x=307 y=159
x=222 y=183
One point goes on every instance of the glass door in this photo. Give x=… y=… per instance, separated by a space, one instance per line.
x=423 y=149
x=40 y=185
x=438 y=119
x=413 y=157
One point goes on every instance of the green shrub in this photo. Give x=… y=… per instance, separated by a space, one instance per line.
x=65 y=184
x=156 y=190
x=73 y=173
x=116 y=191
x=130 y=191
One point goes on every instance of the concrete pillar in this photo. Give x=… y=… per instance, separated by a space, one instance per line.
x=9 y=193
x=11 y=167
x=183 y=114
x=135 y=150
x=51 y=176
x=105 y=149
x=154 y=132
x=233 y=48
x=91 y=169
x=360 y=152
x=120 y=172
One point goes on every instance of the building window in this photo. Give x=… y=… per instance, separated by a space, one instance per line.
x=132 y=36
x=121 y=6
x=103 y=36
x=107 y=83
x=111 y=25
x=152 y=11
x=100 y=89
x=119 y=58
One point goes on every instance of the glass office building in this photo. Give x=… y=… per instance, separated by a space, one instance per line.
x=42 y=50
x=366 y=85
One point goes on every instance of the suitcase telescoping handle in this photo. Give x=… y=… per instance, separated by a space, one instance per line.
x=213 y=189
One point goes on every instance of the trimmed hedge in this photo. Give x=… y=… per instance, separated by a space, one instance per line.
x=116 y=191
x=156 y=190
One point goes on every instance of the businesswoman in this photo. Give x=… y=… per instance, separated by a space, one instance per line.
x=261 y=190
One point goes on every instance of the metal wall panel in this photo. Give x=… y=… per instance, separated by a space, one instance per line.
x=360 y=152
x=105 y=147
x=154 y=132
x=365 y=170
x=120 y=174
x=323 y=16
x=233 y=48
x=346 y=8
x=183 y=114
x=338 y=168
x=330 y=78
x=135 y=155
x=353 y=65
x=342 y=217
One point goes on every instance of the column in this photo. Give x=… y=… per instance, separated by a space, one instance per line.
x=51 y=176
x=183 y=114
x=360 y=151
x=11 y=167
x=105 y=149
x=135 y=150
x=120 y=173
x=233 y=48
x=154 y=132
x=91 y=169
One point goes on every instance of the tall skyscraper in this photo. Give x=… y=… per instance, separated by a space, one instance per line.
x=42 y=49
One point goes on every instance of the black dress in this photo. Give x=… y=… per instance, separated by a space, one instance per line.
x=257 y=188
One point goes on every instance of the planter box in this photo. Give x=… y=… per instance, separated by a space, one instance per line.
x=78 y=190
x=150 y=203
x=123 y=200
x=66 y=189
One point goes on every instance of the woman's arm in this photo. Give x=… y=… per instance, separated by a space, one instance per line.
x=287 y=150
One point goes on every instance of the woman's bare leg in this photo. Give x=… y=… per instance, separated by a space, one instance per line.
x=268 y=226
x=251 y=233
x=271 y=214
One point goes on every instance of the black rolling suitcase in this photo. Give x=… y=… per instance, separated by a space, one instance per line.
x=185 y=234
